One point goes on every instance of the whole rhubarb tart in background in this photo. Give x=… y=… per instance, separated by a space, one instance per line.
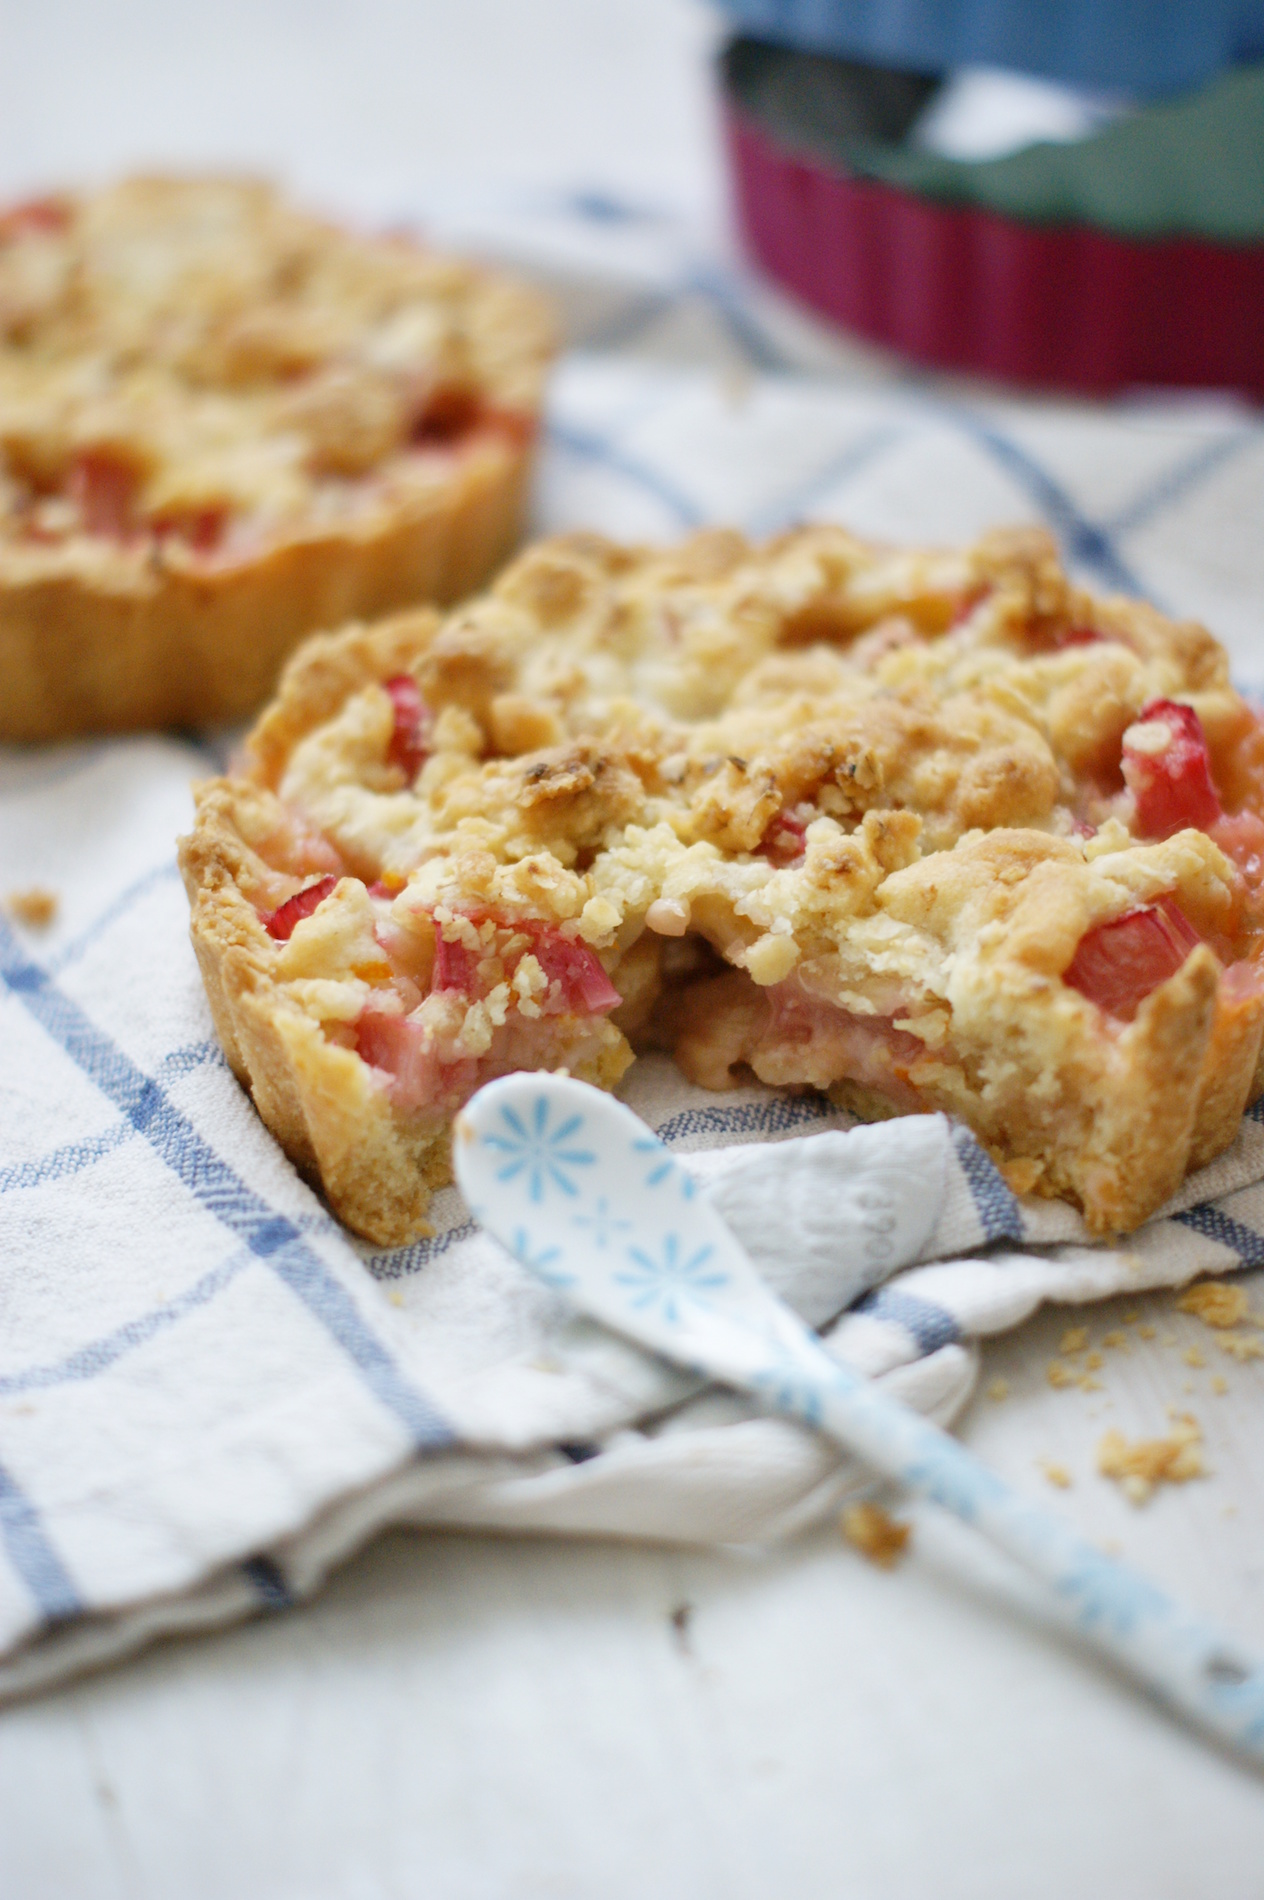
x=925 y=830
x=224 y=423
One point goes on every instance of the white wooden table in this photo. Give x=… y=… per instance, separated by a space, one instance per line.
x=473 y=1717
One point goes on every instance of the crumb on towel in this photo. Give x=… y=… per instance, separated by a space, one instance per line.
x=875 y=1535
x=1215 y=1303
x=36 y=907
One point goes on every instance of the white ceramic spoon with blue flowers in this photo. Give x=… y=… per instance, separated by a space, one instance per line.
x=594 y=1205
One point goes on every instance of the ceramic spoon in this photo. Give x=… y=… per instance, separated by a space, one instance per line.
x=593 y=1204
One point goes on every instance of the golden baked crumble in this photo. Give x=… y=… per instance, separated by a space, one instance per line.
x=224 y=422
x=928 y=830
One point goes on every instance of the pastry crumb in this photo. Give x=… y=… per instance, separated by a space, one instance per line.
x=1059 y=1375
x=1130 y=1319
x=1192 y=1356
x=1219 y=1384
x=1215 y=1303
x=1146 y=1331
x=1087 y=1383
x=998 y=1389
x=1094 y=1362
x=1056 y=1473
x=1241 y=1346
x=36 y=908
x=880 y=1538
x=1117 y=1341
x=1142 y=1463
x=1075 y=1340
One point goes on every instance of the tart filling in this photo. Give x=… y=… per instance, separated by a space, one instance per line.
x=927 y=831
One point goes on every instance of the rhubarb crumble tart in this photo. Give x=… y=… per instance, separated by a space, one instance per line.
x=925 y=830
x=224 y=423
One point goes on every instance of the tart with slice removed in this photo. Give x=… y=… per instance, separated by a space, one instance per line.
x=928 y=830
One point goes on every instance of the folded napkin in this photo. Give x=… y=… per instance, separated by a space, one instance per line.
x=210 y=1393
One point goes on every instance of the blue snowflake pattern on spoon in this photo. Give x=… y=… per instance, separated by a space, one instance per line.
x=543 y=1154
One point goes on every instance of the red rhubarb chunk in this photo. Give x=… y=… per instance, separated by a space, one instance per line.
x=785 y=840
x=447 y=413
x=104 y=487
x=282 y=921
x=1078 y=637
x=1241 y=837
x=584 y=988
x=1116 y=965
x=405 y=1050
x=454 y=966
x=34 y=217
x=201 y=529
x=1172 y=786
x=410 y=741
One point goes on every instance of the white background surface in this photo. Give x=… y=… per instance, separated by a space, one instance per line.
x=464 y=1717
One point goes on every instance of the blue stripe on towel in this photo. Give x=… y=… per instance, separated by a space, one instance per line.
x=33 y=1557
x=1214 y=1225
x=999 y=1213
x=223 y=1193
x=1082 y=540
x=931 y=1325
x=268 y=1581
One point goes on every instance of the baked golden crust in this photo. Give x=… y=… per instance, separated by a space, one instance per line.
x=883 y=788
x=224 y=423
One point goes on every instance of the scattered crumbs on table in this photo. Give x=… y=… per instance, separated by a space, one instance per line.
x=880 y=1538
x=1056 y=1473
x=998 y=1389
x=1142 y=1463
x=1169 y=1339
x=36 y=907
x=1074 y=1340
x=1130 y=1319
x=1059 y=1375
x=395 y=1297
x=1192 y=1356
x=1215 y=1303
x=1117 y=1340
x=1219 y=1384
x=1145 y=1330
x=1087 y=1383
x=1094 y=1362
x=1228 y=1510
x=1241 y=1346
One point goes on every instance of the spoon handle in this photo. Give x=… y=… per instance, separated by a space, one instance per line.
x=597 y=1208
x=1185 y=1661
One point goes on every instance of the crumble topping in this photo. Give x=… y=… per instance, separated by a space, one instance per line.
x=189 y=367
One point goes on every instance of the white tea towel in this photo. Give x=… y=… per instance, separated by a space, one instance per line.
x=209 y=1393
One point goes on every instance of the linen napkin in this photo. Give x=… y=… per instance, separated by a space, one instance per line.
x=209 y=1393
